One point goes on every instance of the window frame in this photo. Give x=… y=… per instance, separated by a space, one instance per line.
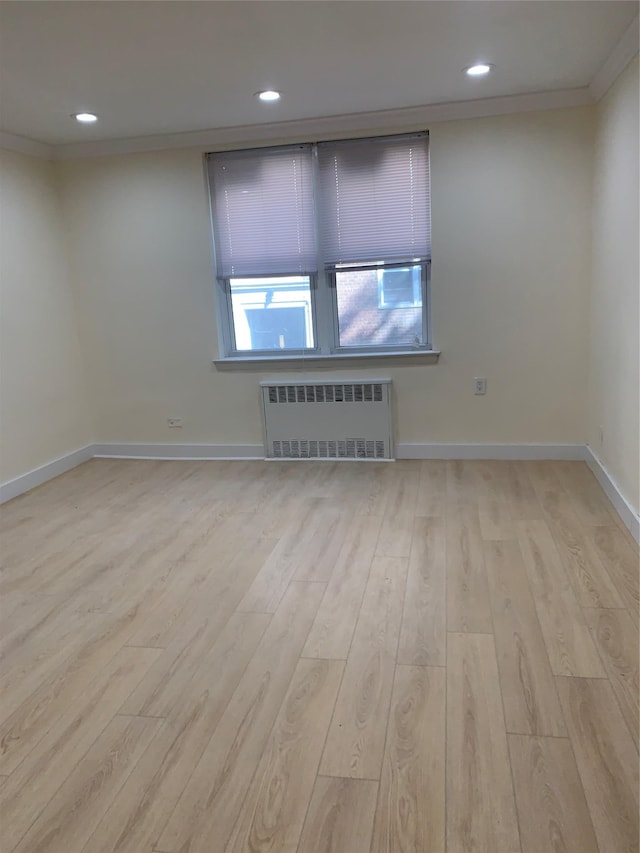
x=425 y=285
x=323 y=307
x=262 y=353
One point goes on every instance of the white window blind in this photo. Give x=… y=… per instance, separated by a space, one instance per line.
x=374 y=199
x=263 y=211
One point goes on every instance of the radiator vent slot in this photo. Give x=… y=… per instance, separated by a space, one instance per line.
x=344 y=393
x=353 y=422
x=349 y=448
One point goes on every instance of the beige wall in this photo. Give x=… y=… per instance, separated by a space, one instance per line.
x=511 y=264
x=614 y=375
x=44 y=410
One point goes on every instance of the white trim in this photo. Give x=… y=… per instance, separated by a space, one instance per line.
x=439 y=450
x=260 y=363
x=326 y=380
x=410 y=117
x=404 y=450
x=194 y=452
x=31 y=479
x=23 y=145
x=621 y=505
x=616 y=62
x=419 y=116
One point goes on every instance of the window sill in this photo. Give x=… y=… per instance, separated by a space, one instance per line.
x=329 y=362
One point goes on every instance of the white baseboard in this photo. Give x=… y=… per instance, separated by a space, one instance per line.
x=403 y=451
x=406 y=450
x=21 y=484
x=622 y=506
x=140 y=450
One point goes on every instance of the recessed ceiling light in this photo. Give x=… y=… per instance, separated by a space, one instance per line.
x=85 y=118
x=478 y=70
x=269 y=95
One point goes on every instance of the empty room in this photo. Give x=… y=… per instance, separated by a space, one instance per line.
x=319 y=426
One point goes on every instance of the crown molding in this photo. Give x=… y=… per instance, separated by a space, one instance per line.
x=616 y=62
x=409 y=118
x=24 y=145
x=405 y=118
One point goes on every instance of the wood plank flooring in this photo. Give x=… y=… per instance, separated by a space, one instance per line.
x=409 y=657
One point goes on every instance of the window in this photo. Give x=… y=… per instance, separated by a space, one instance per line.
x=272 y=313
x=324 y=248
x=399 y=287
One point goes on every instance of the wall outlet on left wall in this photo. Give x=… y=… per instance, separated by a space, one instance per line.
x=174 y=423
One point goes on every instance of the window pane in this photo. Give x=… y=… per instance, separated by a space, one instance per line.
x=272 y=313
x=400 y=287
x=380 y=307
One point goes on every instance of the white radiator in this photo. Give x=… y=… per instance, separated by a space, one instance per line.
x=328 y=420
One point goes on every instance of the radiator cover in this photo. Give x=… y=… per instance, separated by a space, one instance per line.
x=328 y=420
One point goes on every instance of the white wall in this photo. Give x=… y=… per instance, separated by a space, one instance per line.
x=44 y=407
x=614 y=372
x=511 y=201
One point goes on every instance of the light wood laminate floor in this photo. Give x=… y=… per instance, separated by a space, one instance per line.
x=409 y=657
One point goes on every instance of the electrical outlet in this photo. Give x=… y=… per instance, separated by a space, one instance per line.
x=174 y=423
x=479 y=385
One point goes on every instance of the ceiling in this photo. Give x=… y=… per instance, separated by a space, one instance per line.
x=151 y=68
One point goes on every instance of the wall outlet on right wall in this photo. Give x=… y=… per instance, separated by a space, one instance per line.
x=479 y=385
